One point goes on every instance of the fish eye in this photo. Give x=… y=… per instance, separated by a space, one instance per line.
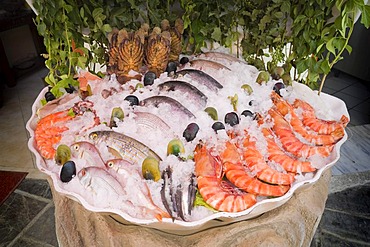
x=93 y=136
x=76 y=147
x=110 y=164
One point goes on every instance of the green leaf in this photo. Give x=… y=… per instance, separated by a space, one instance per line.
x=330 y=46
x=365 y=16
x=349 y=49
x=216 y=34
x=301 y=66
x=324 y=66
x=199 y=201
x=41 y=28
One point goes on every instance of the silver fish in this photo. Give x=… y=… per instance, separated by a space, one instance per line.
x=219 y=56
x=87 y=151
x=178 y=201
x=117 y=164
x=146 y=121
x=193 y=93
x=203 y=64
x=174 y=104
x=201 y=77
x=128 y=148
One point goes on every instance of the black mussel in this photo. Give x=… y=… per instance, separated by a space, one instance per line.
x=132 y=99
x=184 y=60
x=231 y=118
x=218 y=126
x=278 y=86
x=49 y=96
x=190 y=132
x=68 y=171
x=248 y=113
x=171 y=67
x=70 y=89
x=251 y=103
x=149 y=78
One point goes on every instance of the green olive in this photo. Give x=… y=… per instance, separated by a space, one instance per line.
x=150 y=169
x=248 y=89
x=212 y=112
x=263 y=76
x=63 y=154
x=175 y=147
x=117 y=112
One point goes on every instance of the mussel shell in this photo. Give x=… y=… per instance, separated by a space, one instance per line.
x=150 y=169
x=149 y=78
x=212 y=112
x=175 y=147
x=63 y=154
x=232 y=118
x=132 y=99
x=191 y=132
x=68 y=171
x=218 y=126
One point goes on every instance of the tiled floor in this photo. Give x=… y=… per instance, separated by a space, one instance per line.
x=27 y=216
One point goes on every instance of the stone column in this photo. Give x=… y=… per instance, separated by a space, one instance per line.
x=292 y=224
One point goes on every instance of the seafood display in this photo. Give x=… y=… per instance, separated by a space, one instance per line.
x=183 y=146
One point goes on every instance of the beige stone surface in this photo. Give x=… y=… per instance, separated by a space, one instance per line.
x=292 y=224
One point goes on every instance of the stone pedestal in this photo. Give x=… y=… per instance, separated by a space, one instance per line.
x=292 y=224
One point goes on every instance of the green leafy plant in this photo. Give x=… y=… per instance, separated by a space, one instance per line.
x=307 y=37
x=75 y=32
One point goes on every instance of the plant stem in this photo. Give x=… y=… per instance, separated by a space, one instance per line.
x=337 y=57
x=68 y=45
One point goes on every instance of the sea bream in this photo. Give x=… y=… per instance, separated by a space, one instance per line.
x=200 y=77
x=127 y=147
x=87 y=151
x=132 y=181
x=175 y=106
x=192 y=94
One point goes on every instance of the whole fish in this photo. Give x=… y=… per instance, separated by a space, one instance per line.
x=201 y=77
x=192 y=93
x=219 y=56
x=174 y=104
x=131 y=179
x=128 y=148
x=203 y=64
x=178 y=201
x=87 y=151
x=147 y=121
x=100 y=182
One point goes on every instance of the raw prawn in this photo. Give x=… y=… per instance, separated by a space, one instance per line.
x=317 y=139
x=241 y=177
x=218 y=193
x=255 y=161
x=277 y=154
x=49 y=131
x=291 y=143
x=318 y=125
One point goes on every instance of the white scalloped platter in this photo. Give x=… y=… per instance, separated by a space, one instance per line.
x=336 y=106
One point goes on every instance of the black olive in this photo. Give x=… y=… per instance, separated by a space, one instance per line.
x=49 y=96
x=278 y=86
x=247 y=113
x=149 y=78
x=218 y=126
x=190 y=132
x=231 y=118
x=171 y=67
x=68 y=171
x=132 y=99
x=184 y=60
